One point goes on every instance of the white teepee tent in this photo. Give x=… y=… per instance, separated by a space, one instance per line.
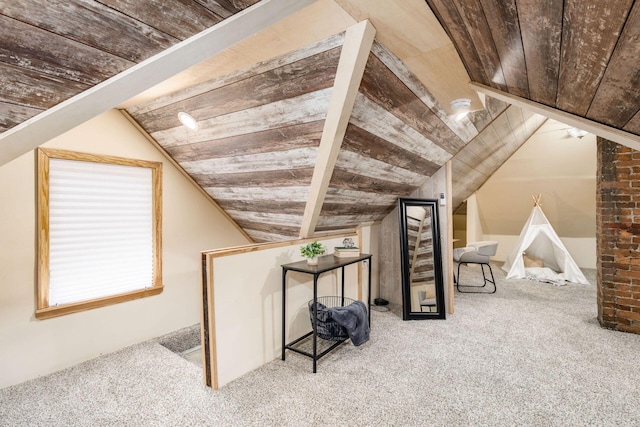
x=538 y=239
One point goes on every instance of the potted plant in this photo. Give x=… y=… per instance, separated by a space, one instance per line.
x=311 y=252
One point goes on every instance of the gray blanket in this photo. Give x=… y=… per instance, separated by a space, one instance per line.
x=354 y=319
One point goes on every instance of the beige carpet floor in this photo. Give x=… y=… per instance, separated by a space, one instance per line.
x=531 y=354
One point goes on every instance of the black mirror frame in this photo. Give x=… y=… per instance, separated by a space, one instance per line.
x=407 y=314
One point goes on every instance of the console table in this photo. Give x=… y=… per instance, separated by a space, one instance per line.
x=325 y=263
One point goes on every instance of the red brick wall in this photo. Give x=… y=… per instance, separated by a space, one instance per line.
x=618 y=236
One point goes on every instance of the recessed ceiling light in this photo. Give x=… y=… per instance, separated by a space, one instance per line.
x=187 y=120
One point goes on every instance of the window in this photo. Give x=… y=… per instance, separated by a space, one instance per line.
x=99 y=231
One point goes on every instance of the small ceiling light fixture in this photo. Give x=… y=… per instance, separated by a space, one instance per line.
x=187 y=120
x=460 y=107
x=577 y=133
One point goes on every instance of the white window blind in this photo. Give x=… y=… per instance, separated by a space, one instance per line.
x=100 y=230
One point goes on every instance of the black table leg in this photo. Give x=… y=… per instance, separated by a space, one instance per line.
x=284 y=311
x=315 y=321
x=342 y=293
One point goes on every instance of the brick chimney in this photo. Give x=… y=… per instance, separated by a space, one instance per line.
x=618 y=236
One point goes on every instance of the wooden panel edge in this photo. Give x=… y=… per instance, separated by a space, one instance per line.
x=270 y=245
x=54 y=153
x=204 y=325
x=61 y=310
x=207 y=325
x=156 y=177
x=162 y=151
x=42 y=224
x=213 y=359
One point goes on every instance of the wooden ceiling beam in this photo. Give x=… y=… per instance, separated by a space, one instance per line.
x=112 y=92
x=612 y=134
x=353 y=60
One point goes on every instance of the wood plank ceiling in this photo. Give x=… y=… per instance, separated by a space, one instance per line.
x=397 y=137
x=52 y=50
x=260 y=127
x=259 y=131
x=578 y=56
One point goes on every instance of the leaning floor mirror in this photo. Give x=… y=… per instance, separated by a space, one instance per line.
x=422 y=282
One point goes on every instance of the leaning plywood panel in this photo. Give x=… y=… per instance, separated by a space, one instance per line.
x=242 y=325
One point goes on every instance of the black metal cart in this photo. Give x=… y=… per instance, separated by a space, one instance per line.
x=325 y=263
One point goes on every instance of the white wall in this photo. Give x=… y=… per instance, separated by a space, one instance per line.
x=505 y=244
x=247 y=293
x=369 y=240
x=560 y=168
x=474 y=226
x=582 y=250
x=30 y=347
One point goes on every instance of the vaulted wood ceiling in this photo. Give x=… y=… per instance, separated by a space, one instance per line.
x=52 y=50
x=260 y=126
x=578 y=56
x=259 y=131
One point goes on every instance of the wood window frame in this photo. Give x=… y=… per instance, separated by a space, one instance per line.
x=43 y=310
